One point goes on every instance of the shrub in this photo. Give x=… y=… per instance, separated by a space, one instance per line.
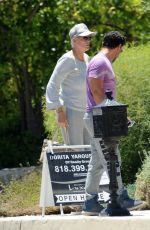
x=143 y=180
x=19 y=149
x=133 y=74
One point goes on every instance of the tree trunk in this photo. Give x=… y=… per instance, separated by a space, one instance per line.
x=31 y=116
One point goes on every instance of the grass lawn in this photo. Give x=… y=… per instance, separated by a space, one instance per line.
x=21 y=197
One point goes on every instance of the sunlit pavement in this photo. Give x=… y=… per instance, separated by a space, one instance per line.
x=140 y=220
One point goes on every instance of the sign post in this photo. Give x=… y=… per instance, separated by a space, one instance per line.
x=64 y=174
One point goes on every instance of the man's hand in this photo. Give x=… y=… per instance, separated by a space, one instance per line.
x=61 y=117
x=130 y=122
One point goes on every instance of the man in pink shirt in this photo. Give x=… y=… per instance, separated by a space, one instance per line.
x=101 y=78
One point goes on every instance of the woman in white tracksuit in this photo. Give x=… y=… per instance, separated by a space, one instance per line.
x=66 y=92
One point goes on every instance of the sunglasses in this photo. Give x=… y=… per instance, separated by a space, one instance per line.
x=86 y=38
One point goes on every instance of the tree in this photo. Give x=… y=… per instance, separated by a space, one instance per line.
x=34 y=34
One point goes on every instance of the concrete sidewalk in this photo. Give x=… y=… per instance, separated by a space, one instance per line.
x=139 y=221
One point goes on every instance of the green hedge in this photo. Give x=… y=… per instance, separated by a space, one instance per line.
x=19 y=149
x=133 y=87
x=143 y=180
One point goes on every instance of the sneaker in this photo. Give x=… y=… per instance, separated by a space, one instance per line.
x=92 y=207
x=126 y=202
